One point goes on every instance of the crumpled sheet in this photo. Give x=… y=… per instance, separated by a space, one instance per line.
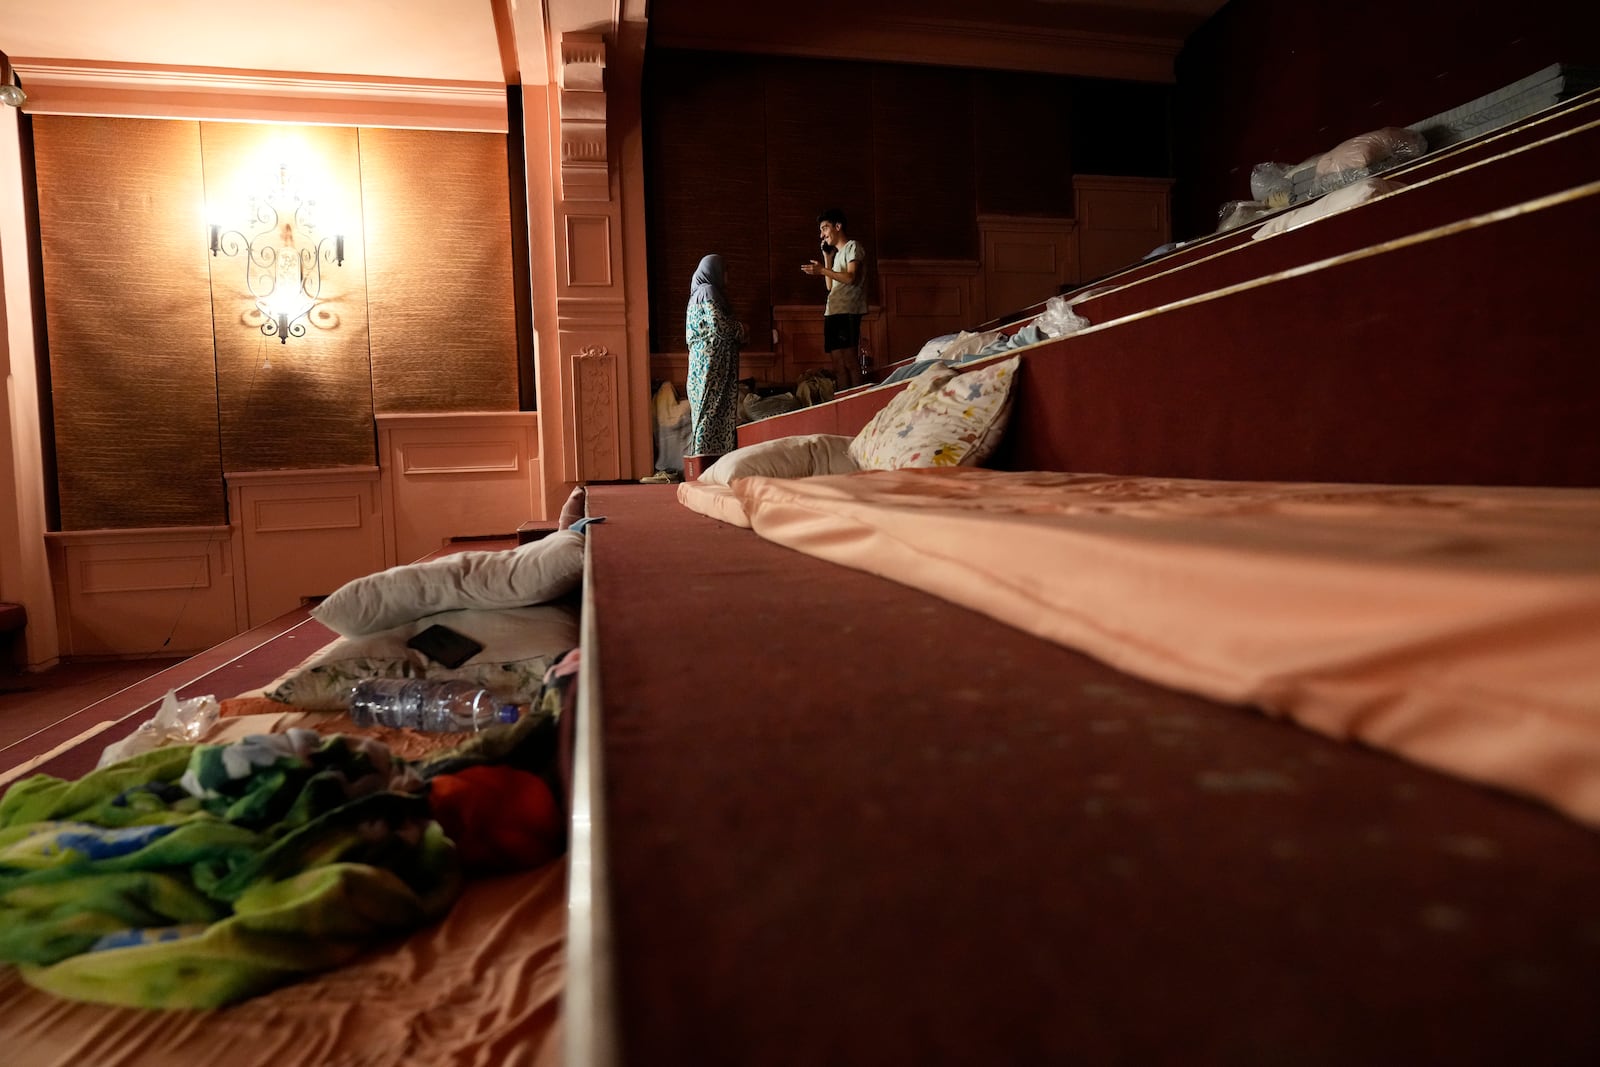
x=195 y=875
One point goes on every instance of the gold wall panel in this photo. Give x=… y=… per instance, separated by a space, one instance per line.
x=307 y=402
x=133 y=386
x=438 y=245
x=161 y=378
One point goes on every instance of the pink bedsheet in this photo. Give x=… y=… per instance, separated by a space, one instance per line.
x=1458 y=627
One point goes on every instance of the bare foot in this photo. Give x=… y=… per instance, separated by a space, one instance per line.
x=573 y=509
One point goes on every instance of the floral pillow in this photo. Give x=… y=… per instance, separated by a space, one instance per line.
x=519 y=645
x=942 y=419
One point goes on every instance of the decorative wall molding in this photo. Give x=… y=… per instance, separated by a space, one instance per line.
x=138 y=90
x=1026 y=259
x=925 y=298
x=457 y=457
x=302 y=534
x=577 y=313
x=588 y=251
x=595 y=404
x=166 y=591
x=1119 y=220
x=458 y=474
x=585 y=163
x=941 y=41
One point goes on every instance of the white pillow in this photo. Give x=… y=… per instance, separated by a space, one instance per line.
x=942 y=419
x=799 y=456
x=510 y=578
x=519 y=646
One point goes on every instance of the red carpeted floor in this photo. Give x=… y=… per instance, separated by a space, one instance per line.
x=72 y=740
x=30 y=701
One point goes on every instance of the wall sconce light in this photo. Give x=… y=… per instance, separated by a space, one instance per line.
x=11 y=93
x=283 y=257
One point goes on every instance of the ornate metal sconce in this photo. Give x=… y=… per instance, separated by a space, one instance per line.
x=283 y=257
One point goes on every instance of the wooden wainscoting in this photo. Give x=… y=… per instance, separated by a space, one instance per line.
x=1120 y=221
x=925 y=298
x=302 y=534
x=1026 y=259
x=799 y=347
x=462 y=474
x=166 y=591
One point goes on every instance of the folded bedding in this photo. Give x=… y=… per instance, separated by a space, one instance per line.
x=1458 y=627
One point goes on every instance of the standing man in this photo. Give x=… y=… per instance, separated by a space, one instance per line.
x=843 y=270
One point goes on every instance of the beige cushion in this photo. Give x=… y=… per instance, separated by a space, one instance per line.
x=519 y=645
x=799 y=456
x=942 y=419
x=530 y=574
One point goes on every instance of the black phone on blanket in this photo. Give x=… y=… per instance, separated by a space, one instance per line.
x=445 y=646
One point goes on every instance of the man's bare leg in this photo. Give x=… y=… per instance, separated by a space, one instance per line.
x=844 y=368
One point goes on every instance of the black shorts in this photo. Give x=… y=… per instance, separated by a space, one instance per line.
x=841 y=332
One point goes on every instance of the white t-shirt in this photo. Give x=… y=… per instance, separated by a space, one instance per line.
x=844 y=299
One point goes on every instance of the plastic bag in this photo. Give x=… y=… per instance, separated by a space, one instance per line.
x=1270 y=184
x=176 y=722
x=1058 y=319
x=1238 y=212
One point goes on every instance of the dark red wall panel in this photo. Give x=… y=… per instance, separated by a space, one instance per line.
x=1269 y=81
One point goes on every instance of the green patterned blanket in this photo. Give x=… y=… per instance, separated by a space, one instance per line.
x=193 y=876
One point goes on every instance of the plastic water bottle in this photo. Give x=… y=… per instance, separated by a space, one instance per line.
x=442 y=706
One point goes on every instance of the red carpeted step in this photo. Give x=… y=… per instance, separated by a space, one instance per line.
x=846 y=822
x=1458 y=357
x=1562 y=162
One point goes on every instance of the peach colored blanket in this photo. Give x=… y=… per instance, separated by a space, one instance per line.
x=1458 y=627
x=717 y=501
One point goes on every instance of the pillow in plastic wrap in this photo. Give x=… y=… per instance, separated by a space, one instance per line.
x=1361 y=155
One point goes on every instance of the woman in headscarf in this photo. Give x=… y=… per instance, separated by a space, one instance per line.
x=714 y=337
